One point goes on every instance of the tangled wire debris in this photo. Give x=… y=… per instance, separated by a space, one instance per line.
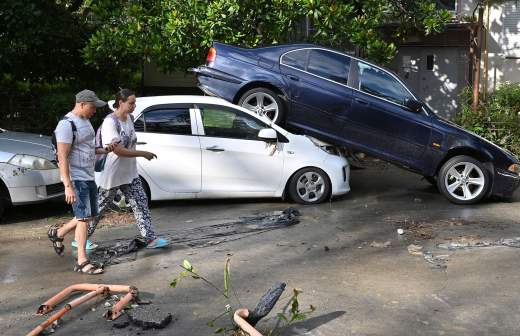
x=124 y=250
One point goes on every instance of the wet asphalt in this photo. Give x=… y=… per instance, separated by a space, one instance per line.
x=345 y=255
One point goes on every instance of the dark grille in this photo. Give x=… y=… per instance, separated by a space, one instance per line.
x=55 y=188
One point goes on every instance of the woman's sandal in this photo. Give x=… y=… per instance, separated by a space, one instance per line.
x=92 y=270
x=57 y=242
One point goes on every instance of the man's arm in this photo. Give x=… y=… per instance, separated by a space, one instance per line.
x=63 y=163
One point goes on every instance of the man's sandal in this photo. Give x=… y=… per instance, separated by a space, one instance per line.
x=57 y=242
x=94 y=269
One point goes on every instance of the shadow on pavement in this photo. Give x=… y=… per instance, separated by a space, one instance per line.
x=303 y=327
x=29 y=212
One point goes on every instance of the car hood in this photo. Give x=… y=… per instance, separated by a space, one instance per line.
x=504 y=151
x=26 y=143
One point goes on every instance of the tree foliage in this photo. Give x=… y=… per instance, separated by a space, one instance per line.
x=497 y=117
x=176 y=33
x=39 y=41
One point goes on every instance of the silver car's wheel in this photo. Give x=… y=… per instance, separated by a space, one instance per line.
x=309 y=186
x=263 y=102
x=463 y=180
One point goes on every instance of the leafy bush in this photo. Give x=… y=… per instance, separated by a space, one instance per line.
x=37 y=108
x=497 y=118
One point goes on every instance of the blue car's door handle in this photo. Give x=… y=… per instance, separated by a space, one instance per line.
x=215 y=149
x=362 y=101
x=294 y=78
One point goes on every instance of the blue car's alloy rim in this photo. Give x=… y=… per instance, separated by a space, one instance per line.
x=262 y=104
x=465 y=181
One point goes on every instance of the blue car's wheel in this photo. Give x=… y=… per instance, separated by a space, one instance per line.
x=463 y=180
x=264 y=102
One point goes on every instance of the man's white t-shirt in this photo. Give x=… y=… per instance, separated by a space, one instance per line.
x=118 y=170
x=82 y=155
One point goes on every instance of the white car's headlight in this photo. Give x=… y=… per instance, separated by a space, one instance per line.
x=31 y=162
x=328 y=148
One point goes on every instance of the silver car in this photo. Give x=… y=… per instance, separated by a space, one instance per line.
x=28 y=170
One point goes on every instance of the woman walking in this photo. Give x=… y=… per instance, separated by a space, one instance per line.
x=120 y=168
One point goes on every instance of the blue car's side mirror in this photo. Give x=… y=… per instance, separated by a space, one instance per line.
x=413 y=105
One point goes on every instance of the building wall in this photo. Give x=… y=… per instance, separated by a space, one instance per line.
x=501 y=50
x=159 y=83
x=436 y=67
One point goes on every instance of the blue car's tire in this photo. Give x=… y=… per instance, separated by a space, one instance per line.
x=264 y=101
x=463 y=180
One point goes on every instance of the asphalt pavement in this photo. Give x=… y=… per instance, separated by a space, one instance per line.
x=447 y=274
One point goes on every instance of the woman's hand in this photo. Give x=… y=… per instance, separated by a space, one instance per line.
x=110 y=147
x=148 y=155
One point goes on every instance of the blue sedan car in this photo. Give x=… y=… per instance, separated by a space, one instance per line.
x=354 y=103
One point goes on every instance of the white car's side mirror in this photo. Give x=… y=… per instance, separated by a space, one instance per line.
x=268 y=134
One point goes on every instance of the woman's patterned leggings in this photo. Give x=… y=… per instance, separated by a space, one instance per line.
x=136 y=196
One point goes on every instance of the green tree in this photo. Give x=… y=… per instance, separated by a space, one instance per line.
x=177 y=33
x=40 y=41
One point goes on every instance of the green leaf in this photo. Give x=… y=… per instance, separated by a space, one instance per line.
x=174 y=282
x=186 y=264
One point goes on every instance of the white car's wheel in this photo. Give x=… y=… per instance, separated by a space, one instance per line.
x=309 y=186
x=263 y=102
x=463 y=180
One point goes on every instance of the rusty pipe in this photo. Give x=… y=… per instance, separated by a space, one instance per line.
x=74 y=303
x=95 y=290
x=115 y=312
x=239 y=317
x=49 y=305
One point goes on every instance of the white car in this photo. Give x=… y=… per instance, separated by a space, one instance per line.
x=209 y=148
x=28 y=172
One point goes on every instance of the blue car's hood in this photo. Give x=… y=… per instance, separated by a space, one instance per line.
x=451 y=124
x=12 y=143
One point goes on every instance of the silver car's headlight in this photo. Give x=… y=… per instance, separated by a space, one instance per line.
x=31 y=162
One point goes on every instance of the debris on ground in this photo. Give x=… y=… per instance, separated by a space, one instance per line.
x=110 y=254
x=266 y=303
x=121 y=324
x=92 y=291
x=149 y=317
x=415 y=249
x=424 y=230
x=472 y=242
x=436 y=261
x=380 y=244
x=52 y=328
x=124 y=250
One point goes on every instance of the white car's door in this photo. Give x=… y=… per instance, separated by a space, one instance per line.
x=166 y=130
x=234 y=159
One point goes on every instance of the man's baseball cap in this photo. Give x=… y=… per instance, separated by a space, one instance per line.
x=87 y=96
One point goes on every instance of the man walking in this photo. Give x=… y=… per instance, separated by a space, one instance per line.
x=75 y=142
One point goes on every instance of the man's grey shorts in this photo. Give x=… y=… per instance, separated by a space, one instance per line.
x=86 y=205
